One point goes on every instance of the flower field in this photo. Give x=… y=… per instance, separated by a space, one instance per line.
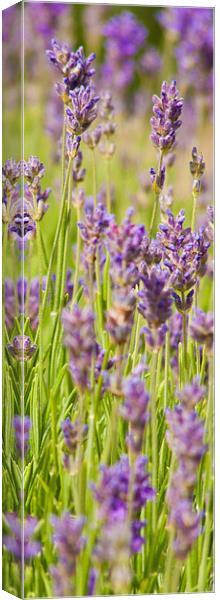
x=108 y=232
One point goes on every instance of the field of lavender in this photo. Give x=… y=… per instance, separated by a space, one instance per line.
x=108 y=237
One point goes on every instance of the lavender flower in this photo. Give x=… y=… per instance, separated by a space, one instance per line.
x=93 y=229
x=22 y=226
x=78 y=172
x=193 y=30
x=22 y=348
x=134 y=410
x=197 y=168
x=120 y=317
x=79 y=338
x=185 y=438
x=106 y=113
x=167 y=110
x=83 y=111
x=73 y=434
x=123 y=243
x=201 y=328
x=125 y=36
x=68 y=542
x=19 y=543
x=112 y=496
x=22 y=428
x=154 y=338
x=91 y=139
x=185 y=254
x=151 y=62
x=191 y=394
x=156 y=300
x=114 y=547
x=75 y=68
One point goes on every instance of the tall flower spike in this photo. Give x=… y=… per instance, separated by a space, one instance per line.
x=155 y=298
x=167 y=110
x=201 y=328
x=22 y=428
x=134 y=410
x=19 y=541
x=83 y=110
x=68 y=542
x=79 y=338
x=22 y=348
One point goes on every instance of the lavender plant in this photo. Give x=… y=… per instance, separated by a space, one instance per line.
x=108 y=324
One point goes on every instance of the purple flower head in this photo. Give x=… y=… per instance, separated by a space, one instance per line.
x=92 y=579
x=91 y=139
x=75 y=68
x=33 y=170
x=124 y=38
x=112 y=495
x=22 y=226
x=19 y=542
x=156 y=300
x=191 y=394
x=22 y=348
x=151 y=62
x=48 y=17
x=185 y=253
x=185 y=435
x=92 y=230
x=83 y=110
x=154 y=338
x=113 y=547
x=22 y=428
x=112 y=492
x=79 y=338
x=167 y=110
x=134 y=410
x=73 y=434
x=120 y=317
x=123 y=243
x=68 y=541
x=72 y=145
x=157 y=180
x=201 y=328
x=78 y=172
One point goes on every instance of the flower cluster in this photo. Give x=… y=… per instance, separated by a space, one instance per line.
x=79 y=338
x=112 y=497
x=201 y=328
x=134 y=410
x=73 y=434
x=125 y=36
x=22 y=348
x=22 y=428
x=68 y=542
x=93 y=229
x=185 y=254
x=193 y=28
x=155 y=304
x=185 y=438
x=19 y=542
x=167 y=110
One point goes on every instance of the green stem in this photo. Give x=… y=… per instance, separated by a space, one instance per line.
x=57 y=234
x=157 y=195
x=63 y=150
x=94 y=174
x=40 y=326
x=108 y=185
x=54 y=431
x=194 y=211
x=167 y=367
x=78 y=252
x=154 y=441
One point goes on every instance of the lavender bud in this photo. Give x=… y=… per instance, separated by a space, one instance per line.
x=22 y=348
